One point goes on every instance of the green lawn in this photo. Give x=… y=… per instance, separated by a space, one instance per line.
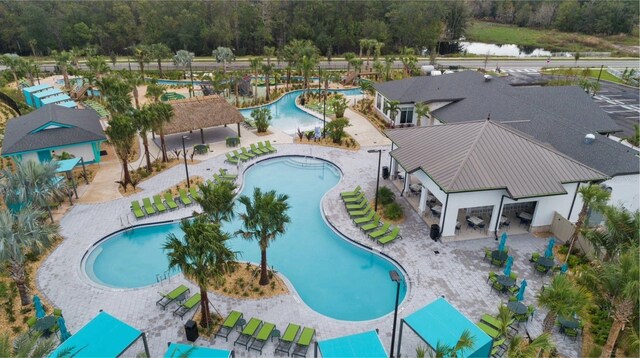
x=593 y=72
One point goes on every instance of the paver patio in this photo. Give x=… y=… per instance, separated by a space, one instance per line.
x=457 y=271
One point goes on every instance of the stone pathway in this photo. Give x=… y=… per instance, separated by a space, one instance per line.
x=456 y=271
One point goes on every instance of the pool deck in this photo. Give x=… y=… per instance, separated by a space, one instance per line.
x=458 y=271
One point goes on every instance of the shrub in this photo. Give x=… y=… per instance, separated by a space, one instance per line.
x=300 y=134
x=201 y=149
x=563 y=250
x=339 y=105
x=385 y=195
x=335 y=129
x=309 y=135
x=393 y=211
x=261 y=117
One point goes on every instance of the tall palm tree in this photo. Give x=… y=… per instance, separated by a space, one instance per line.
x=563 y=297
x=159 y=51
x=306 y=66
x=98 y=65
x=422 y=110
x=349 y=56
x=31 y=345
x=265 y=219
x=594 y=197
x=144 y=121
x=202 y=255
x=122 y=132
x=465 y=342
x=393 y=107
x=133 y=79
x=63 y=59
x=367 y=88
x=357 y=64
x=269 y=52
x=505 y=319
x=13 y=62
x=183 y=59
x=388 y=64
x=142 y=54
x=216 y=200
x=154 y=91
x=224 y=55
x=22 y=233
x=519 y=348
x=619 y=232
x=163 y=113
x=409 y=60
x=29 y=68
x=116 y=93
x=256 y=64
x=618 y=281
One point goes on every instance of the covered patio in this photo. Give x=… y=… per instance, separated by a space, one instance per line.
x=476 y=179
x=366 y=344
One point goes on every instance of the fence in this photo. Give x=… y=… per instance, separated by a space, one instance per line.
x=562 y=229
x=9 y=102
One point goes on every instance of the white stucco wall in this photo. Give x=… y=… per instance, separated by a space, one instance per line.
x=625 y=191
x=84 y=151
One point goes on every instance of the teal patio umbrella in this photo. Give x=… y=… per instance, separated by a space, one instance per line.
x=549 y=252
x=503 y=241
x=523 y=286
x=507 y=269
x=564 y=268
x=64 y=333
x=38 y=307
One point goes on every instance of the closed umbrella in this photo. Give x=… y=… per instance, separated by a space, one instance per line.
x=523 y=286
x=38 y=306
x=549 y=252
x=503 y=241
x=507 y=269
x=564 y=268
x=64 y=333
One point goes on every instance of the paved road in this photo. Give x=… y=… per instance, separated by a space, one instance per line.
x=622 y=104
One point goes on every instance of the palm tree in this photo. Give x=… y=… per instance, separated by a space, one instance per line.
x=30 y=345
x=159 y=51
x=154 y=91
x=142 y=54
x=265 y=218
x=21 y=233
x=202 y=255
x=388 y=63
x=143 y=120
x=619 y=232
x=518 y=348
x=349 y=56
x=163 y=113
x=62 y=61
x=505 y=319
x=116 y=93
x=306 y=66
x=224 y=55
x=29 y=67
x=13 y=62
x=216 y=200
x=618 y=282
x=183 y=59
x=466 y=341
x=393 y=107
x=269 y=52
x=255 y=64
x=422 y=110
x=563 y=297
x=594 y=197
x=133 y=79
x=98 y=65
x=122 y=132
x=369 y=44
x=357 y=64
x=378 y=68
x=367 y=88
x=409 y=60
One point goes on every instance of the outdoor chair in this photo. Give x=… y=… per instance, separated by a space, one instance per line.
x=303 y=342
x=487 y=253
x=219 y=178
x=286 y=341
x=177 y=294
x=514 y=289
x=361 y=212
x=228 y=325
x=365 y=219
x=492 y=332
x=513 y=275
x=231 y=159
x=496 y=262
x=136 y=209
x=31 y=322
x=169 y=200
x=372 y=225
x=184 y=198
x=158 y=203
x=355 y=192
x=270 y=147
x=225 y=174
x=57 y=312
x=571 y=333
x=534 y=257
x=257 y=151
x=358 y=206
x=263 y=335
x=247 y=333
x=353 y=199
x=246 y=153
x=395 y=233
x=242 y=157
x=264 y=148
x=187 y=306
x=492 y=277
x=194 y=193
x=148 y=208
x=380 y=232
x=497 y=286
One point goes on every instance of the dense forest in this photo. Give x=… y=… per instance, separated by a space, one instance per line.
x=113 y=27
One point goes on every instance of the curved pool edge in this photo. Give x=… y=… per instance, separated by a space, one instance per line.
x=286 y=93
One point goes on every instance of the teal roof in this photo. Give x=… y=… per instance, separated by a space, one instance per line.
x=68 y=104
x=66 y=165
x=103 y=336
x=176 y=350
x=440 y=322
x=60 y=98
x=365 y=344
x=48 y=92
x=36 y=88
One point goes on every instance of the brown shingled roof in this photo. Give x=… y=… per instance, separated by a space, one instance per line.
x=201 y=112
x=485 y=155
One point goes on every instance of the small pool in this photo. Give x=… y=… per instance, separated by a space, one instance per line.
x=176 y=82
x=332 y=275
x=288 y=117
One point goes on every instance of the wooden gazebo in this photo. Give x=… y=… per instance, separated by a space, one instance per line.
x=202 y=112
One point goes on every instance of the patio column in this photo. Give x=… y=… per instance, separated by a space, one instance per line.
x=202 y=135
x=423 y=200
x=239 y=130
x=407 y=182
x=394 y=168
x=494 y=218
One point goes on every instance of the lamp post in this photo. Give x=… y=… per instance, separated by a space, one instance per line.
x=379 y=151
x=186 y=168
x=395 y=277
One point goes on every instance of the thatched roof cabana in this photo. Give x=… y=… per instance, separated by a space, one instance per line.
x=201 y=112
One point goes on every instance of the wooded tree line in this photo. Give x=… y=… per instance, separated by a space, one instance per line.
x=606 y=17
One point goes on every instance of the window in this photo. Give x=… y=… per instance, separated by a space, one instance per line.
x=406 y=115
x=378 y=101
x=385 y=110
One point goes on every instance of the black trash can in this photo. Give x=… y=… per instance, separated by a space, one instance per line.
x=191 y=329
x=435 y=232
x=385 y=172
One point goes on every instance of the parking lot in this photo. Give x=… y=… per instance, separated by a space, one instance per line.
x=622 y=103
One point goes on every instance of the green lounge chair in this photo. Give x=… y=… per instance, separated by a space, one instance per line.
x=359 y=213
x=176 y=294
x=379 y=233
x=355 y=192
x=353 y=199
x=492 y=332
x=148 y=208
x=247 y=333
x=137 y=210
x=169 y=200
x=257 y=151
x=270 y=147
x=246 y=153
x=358 y=206
x=231 y=159
x=225 y=174
x=184 y=198
x=264 y=148
x=286 y=341
x=31 y=322
x=242 y=157
x=365 y=219
x=194 y=193
x=263 y=335
x=373 y=225
x=303 y=342
x=497 y=346
x=187 y=306
x=228 y=325
x=219 y=178
x=395 y=233
x=158 y=203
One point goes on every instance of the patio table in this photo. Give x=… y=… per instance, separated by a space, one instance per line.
x=415 y=188
x=547 y=262
x=437 y=209
x=44 y=324
x=568 y=322
x=499 y=255
x=517 y=307
x=525 y=216
x=475 y=220
x=431 y=198
x=503 y=219
x=505 y=281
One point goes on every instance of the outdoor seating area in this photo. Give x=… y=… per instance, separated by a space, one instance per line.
x=47 y=324
x=363 y=216
x=545 y=263
x=571 y=327
x=103 y=112
x=245 y=154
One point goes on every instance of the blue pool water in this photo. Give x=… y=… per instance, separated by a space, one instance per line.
x=181 y=82
x=332 y=276
x=287 y=117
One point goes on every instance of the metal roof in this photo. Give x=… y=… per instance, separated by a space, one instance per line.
x=485 y=155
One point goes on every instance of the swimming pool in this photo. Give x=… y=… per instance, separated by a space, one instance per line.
x=176 y=82
x=287 y=117
x=332 y=275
